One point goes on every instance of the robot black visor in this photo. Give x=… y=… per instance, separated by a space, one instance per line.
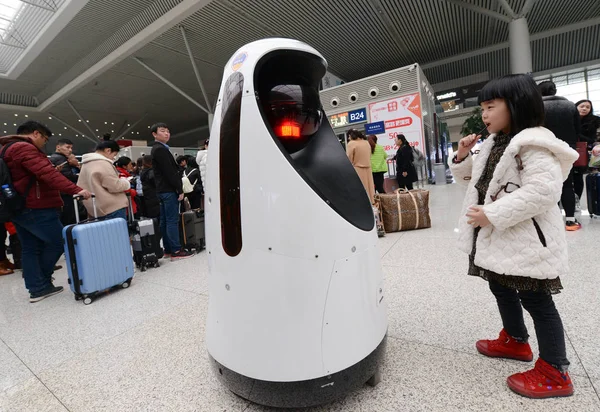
x=293 y=111
x=288 y=90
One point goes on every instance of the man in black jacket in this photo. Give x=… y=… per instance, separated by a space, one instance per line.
x=562 y=119
x=170 y=191
x=62 y=160
x=150 y=201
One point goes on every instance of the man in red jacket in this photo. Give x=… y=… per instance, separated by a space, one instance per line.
x=38 y=225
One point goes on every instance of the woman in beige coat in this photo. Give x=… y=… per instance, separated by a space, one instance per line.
x=99 y=176
x=359 y=153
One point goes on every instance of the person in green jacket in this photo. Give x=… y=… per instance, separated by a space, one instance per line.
x=378 y=163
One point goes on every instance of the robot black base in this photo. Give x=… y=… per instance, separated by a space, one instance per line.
x=307 y=393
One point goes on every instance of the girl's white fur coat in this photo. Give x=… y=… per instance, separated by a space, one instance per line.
x=511 y=245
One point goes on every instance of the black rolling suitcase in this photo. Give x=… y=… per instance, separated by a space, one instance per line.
x=191 y=230
x=145 y=241
x=592 y=183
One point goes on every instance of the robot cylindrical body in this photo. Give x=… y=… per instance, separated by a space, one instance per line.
x=297 y=314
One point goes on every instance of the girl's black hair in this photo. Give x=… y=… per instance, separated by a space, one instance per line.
x=108 y=144
x=354 y=134
x=402 y=138
x=123 y=161
x=522 y=97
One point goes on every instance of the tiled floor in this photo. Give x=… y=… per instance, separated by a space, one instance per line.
x=142 y=349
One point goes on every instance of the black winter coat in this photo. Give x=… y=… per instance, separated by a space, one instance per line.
x=67 y=171
x=562 y=119
x=589 y=128
x=166 y=170
x=404 y=163
x=150 y=201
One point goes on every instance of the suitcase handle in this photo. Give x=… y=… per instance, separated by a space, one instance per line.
x=77 y=198
x=130 y=207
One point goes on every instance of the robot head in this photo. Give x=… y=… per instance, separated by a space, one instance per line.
x=270 y=94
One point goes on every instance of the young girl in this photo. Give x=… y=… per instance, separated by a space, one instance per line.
x=513 y=230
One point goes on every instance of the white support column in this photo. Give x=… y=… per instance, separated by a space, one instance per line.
x=211 y=117
x=519 y=46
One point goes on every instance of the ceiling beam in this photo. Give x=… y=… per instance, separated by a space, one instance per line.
x=123 y=126
x=58 y=119
x=537 y=36
x=527 y=8
x=13 y=107
x=132 y=126
x=507 y=8
x=170 y=84
x=85 y=123
x=239 y=10
x=249 y=18
x=391 y=27
x=174 y=16
x=195 y=67
x=31 y=3
x=45 y=35
x=16 y=46
x=481 y=10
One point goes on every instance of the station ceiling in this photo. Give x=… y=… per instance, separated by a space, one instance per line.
x=87 y=62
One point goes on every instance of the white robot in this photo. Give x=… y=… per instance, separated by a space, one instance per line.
x=297 y=315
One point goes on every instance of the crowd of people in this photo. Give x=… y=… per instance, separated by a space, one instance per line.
x=370 y=162
x=155 y=186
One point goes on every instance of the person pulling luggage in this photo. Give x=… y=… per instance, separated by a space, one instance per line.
x=99 y=176
x=38 y=223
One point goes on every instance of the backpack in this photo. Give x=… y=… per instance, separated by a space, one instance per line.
x=10 y=207
x=188 y=187
x=418 y=157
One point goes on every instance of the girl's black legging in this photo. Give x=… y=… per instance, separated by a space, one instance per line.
x=567 y=197
x=547 y=322
x=378 y=179
x=578 y=182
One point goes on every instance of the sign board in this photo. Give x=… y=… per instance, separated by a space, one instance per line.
x=375 y=128
x=400 y=115
x=339 y=120
x=357 y=116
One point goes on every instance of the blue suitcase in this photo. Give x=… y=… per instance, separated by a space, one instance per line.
x=98 y=256
x=592 y=183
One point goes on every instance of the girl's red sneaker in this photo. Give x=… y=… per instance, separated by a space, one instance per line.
x=543 y=381
x=505 y=347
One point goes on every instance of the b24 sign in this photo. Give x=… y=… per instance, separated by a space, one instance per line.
x=357 y=116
